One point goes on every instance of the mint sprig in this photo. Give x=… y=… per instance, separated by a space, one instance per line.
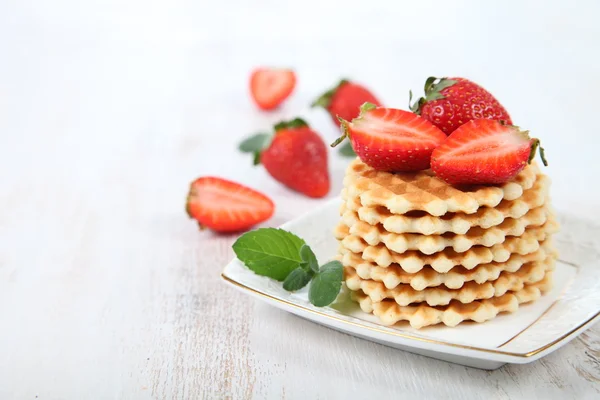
x=326 y=284
x=270 y=252
x=297 y=279
x=283 y=256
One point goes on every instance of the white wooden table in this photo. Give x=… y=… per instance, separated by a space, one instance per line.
x=109 y=109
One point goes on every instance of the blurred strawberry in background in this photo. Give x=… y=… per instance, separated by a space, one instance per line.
x=294 y=155
x=269 y=87
x=225 y=206
x=344 y=100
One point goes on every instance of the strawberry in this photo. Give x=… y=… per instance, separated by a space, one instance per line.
x=295 y=156
x=344 y=100
x=484 y=151
x=226 y=206
x=269 y=87
x=451 y=102
x=392 y=140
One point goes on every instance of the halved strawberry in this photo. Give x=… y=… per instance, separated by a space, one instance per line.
x=269 y=87
x=226 y=206
x=484 y=151
x=392 y=140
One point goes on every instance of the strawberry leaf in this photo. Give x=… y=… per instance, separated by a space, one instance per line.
x=270 y=252
x=435 y=89
x=255 y=143
x=429 y=83
x=366 y=107
x=294 y=123
x=326 y=284
x=325 y=99
x=535 y=145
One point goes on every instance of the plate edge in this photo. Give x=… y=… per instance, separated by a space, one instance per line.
x=529 y=356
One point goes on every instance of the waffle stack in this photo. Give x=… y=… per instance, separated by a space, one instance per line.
x=419 y=250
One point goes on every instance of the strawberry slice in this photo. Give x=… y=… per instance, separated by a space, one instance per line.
x=269 y=87
x=484 y=151
x=389 y=139
x=226 y=206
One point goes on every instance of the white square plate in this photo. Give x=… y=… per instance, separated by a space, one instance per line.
x=532 y=332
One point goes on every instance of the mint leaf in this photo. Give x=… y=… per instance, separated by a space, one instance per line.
x=309 y=258
x=297 y=279
x=347 y=151
x=326 y=284
x=255 y=143
x=270 y=252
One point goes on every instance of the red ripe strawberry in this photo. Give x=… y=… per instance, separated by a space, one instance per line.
x=295 y=156
x=484 y=151
x=392 y=140
x=344 y=100
x=451 y=102
x=226 y=206
x=270 y=87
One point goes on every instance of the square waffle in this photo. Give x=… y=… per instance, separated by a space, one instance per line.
x=426 y=224
x=405 y=295
x=422 y=191
x=420 y=315
x=394 y=275
x=429 y=244
x=413 y=260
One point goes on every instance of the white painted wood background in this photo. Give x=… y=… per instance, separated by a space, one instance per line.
x=108 y=109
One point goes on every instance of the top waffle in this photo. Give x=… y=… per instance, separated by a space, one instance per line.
x=422 y=191
x=426 y=224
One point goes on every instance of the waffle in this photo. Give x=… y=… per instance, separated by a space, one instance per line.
x=460 y=223
x=413 y=261
x=375 y=234
x=405 y=295
x=394 y=275
x=390 y=312
x=422 y=191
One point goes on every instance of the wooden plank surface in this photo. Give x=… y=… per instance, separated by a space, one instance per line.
x=109 y=110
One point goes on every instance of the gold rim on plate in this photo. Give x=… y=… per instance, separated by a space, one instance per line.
x=421 y=339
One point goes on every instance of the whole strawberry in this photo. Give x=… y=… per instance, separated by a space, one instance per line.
x=344 y=100
x=389 y=139
x=452 y=102
x=295 y=156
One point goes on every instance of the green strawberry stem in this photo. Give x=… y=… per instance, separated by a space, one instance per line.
x=259 y=142
x=433 y=88
x=294 y=123
x=366 y=107
x=344 y=126
x=535 y=145
x=325 y=99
